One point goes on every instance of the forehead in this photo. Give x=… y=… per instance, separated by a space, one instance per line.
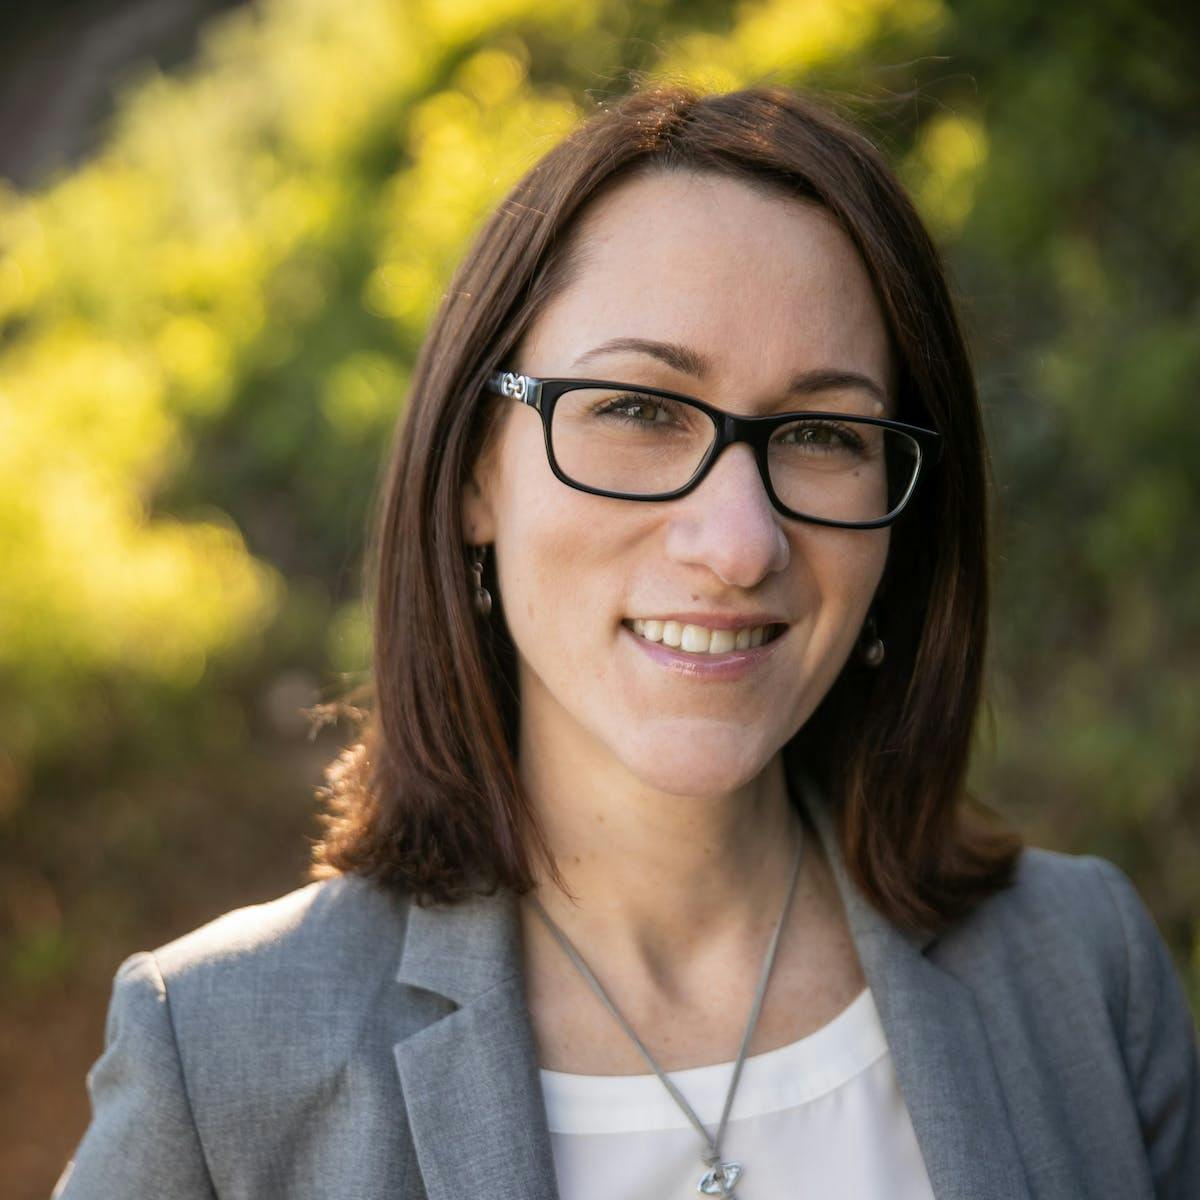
x=762 y=283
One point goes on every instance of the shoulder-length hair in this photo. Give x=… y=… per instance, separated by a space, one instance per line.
x=429 y=799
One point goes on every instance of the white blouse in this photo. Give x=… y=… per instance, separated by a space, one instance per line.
x=822 y=1117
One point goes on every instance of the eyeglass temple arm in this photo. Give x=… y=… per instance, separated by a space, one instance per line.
x=519 y=387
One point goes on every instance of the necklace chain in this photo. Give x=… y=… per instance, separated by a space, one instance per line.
x=720 y=1177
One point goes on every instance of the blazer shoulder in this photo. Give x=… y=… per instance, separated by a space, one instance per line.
x=1054 y=893
x=1078 y=916
x=1067 y=964
x=269 y=1003
x=283 y=1009
x=1068 y=924
x=330 y=924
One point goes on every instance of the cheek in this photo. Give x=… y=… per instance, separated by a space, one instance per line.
x=842 y=567
x=535 y=536
x=556 y=580
x=844 y=564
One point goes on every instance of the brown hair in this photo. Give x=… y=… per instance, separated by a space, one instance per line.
x=429 y=799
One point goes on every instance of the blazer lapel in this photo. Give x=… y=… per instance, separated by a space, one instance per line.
x=471 y=1087
x=938 y=1043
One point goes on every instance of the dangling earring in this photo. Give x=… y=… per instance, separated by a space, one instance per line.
x=870 y=645
x=483 y=598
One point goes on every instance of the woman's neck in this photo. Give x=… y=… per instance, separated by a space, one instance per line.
x=662 y=883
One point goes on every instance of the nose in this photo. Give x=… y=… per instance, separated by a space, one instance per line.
x=728 y=524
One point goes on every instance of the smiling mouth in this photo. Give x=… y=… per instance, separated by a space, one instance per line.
x=699 y=640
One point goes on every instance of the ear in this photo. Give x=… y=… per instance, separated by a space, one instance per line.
x=478 y=515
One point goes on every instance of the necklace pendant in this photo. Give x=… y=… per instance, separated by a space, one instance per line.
x=720 y=1180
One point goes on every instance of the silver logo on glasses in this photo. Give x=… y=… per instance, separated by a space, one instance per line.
x=513 y=385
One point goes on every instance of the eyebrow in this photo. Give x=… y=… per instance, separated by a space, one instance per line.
x=689 y=361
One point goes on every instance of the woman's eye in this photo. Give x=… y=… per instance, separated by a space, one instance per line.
x=824 y=436
x=634 y=408
x=818 y=435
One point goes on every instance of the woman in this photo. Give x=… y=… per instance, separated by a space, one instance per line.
x=654 y=874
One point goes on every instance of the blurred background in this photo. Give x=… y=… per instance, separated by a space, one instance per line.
x=223 y=230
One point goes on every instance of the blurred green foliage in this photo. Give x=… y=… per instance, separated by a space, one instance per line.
x=207 y=330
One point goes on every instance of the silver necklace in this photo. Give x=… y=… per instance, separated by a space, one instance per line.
x=721 y=1177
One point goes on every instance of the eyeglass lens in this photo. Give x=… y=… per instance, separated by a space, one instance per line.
x=641 y=445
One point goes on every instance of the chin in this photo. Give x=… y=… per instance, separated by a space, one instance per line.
x=696 y=763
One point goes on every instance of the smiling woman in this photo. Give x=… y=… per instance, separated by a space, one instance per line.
x=654 y=872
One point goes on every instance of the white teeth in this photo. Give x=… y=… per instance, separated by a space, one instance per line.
x=722 y=640
x=698 y=639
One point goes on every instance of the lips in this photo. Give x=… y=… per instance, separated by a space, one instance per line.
x=722 y=667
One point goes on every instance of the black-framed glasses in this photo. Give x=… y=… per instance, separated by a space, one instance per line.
x=642 y=443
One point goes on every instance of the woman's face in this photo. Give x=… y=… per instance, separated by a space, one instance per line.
x=761 y=288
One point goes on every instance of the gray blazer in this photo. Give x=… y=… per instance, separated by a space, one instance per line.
x=337 y=1042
